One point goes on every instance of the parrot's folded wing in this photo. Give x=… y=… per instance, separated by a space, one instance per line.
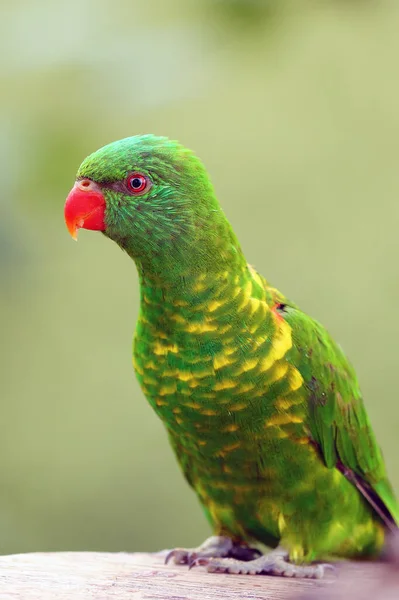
x=338 y=421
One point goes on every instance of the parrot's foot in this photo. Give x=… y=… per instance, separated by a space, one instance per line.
x=273 y=563
x=216 y=546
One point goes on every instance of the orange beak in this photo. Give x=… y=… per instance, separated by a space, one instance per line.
x=84 y=208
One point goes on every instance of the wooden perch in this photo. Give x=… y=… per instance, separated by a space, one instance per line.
x=103 y=576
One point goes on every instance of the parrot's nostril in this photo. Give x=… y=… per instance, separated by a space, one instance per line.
x=86 y=185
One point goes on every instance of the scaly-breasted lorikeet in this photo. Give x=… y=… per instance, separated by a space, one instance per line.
x=262 y=408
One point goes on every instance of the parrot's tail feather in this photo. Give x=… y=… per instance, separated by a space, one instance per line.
x=372 y=497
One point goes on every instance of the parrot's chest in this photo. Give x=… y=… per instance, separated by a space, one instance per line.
x=211 y=395
x=222 y=386
x=181 y=384
x=237 y=423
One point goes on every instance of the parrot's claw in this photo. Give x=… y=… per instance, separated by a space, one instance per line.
x=214 y=547
x=274 y=563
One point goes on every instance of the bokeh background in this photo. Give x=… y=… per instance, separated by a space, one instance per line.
x=293 y=106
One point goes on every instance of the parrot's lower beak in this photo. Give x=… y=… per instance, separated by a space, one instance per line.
x=84 y=207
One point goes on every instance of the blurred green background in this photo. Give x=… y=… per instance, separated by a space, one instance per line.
x=293 y=106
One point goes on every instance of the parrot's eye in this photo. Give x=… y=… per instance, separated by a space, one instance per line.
x=138 y=183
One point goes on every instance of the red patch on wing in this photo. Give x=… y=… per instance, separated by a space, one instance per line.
x=277 y=310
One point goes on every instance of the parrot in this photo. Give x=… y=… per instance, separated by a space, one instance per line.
x=261 y=407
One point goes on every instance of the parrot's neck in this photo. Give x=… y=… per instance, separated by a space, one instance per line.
x=202 y=302
x=196 y=246
x=194 y=271
x=202 y=281
x=193 y=289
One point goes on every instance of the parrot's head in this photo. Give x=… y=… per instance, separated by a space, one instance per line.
x=150 y=195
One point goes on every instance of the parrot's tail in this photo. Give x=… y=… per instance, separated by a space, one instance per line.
x=380 y=497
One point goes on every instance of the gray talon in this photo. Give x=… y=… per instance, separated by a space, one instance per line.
x=275 y=563
x=220 y=554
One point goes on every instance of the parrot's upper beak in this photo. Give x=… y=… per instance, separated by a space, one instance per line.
x=84 y=207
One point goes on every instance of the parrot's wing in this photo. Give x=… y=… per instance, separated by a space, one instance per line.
x=337 y=418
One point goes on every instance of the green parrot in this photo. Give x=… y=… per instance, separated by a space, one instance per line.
x=262 y=408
